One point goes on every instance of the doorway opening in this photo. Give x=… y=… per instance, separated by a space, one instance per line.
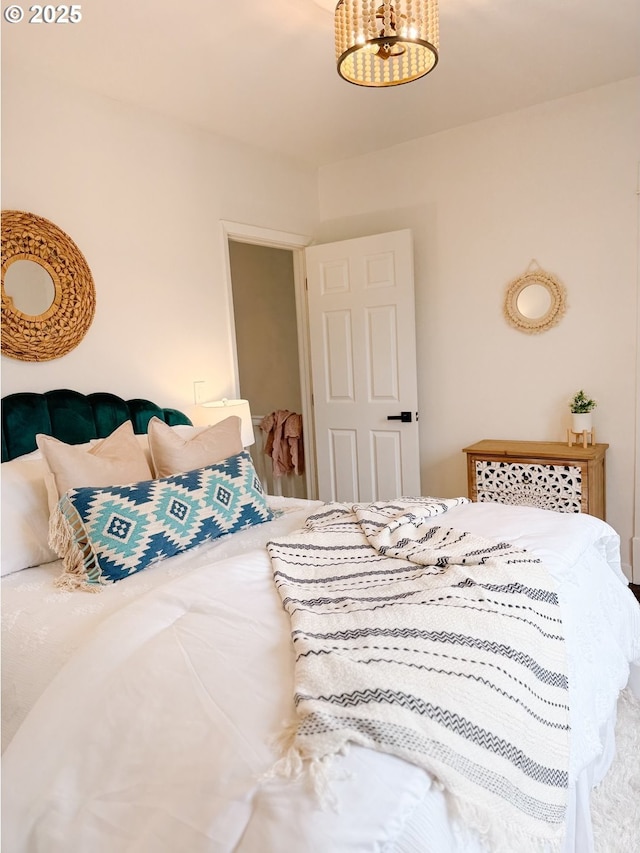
x=268 y=306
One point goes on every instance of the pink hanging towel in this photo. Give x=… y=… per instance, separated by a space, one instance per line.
x=283 y=442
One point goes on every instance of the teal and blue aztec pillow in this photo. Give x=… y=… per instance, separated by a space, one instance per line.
x=106 y=534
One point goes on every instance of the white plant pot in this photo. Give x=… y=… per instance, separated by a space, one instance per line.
x=581 y=421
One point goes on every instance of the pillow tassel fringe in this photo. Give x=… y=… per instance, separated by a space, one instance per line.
x=70 y=583
x=65 y=538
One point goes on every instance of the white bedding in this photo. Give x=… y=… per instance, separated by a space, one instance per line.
x=42 y=625
x=158 y=728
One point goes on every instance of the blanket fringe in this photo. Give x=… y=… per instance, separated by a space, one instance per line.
x=319 y=773
x=290 y=764
x=499 y=835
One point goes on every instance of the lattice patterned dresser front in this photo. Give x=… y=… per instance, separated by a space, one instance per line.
x=545 y=474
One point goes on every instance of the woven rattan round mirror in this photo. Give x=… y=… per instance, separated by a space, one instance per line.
x=61 y=327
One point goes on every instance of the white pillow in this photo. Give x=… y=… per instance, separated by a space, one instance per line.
x=25 y=514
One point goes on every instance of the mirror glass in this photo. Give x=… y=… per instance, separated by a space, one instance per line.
x=534 y=301
x=30 y=286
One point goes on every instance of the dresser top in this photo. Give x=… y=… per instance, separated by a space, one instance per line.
x=536 y=449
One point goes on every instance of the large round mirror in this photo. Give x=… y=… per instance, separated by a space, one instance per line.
x=48 y=295
x=535 y=302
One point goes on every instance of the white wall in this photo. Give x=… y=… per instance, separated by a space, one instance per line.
x=142 y=196
x=555 y=183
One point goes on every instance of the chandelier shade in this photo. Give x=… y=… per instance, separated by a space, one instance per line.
x=385 y=44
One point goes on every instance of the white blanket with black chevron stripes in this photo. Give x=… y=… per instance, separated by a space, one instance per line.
x=434 y=645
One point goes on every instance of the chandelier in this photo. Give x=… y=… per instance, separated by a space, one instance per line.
x=388 y=43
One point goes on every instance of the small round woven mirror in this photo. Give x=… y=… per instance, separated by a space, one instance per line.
x=535 y=302
x=66 y=314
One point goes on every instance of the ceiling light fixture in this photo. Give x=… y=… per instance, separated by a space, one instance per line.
x=388 y=43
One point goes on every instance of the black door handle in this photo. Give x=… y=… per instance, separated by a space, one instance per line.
x=405 y=417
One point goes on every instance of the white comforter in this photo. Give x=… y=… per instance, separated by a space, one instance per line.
x=157 y=733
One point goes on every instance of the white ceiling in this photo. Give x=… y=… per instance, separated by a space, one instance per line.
x=263 y=71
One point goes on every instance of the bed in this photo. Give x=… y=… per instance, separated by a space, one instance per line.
x=155 y=715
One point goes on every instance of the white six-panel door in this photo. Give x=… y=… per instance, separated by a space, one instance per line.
x=363 y=364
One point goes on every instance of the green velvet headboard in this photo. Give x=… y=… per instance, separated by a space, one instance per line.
x=73 y=417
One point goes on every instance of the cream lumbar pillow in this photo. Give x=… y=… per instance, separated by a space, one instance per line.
x=172 y=453
x=116 y=460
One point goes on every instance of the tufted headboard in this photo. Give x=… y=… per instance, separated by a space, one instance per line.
x=73 y=417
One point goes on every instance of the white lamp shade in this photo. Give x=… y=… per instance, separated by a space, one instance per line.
x=218 y=410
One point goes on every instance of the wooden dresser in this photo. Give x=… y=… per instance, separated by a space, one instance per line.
x=545 y=474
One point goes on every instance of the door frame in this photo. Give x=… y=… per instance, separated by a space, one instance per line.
x=296 y=244
x=635 y=542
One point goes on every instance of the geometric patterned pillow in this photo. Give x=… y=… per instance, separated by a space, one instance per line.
x=108 y=533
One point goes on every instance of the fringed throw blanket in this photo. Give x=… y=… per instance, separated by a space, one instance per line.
x=437 y=646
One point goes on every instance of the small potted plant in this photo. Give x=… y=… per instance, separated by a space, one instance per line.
x=581 y=407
